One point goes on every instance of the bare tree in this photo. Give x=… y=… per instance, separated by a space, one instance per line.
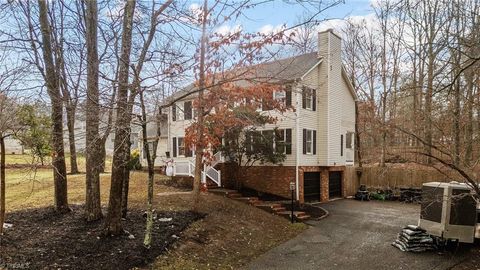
x=93 y=210
x=51 y=75
x=113 y=224
x=10 y=76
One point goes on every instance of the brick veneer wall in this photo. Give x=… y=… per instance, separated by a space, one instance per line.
x=276 y=179
x=269 y=179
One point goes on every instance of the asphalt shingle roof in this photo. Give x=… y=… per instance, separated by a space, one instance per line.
x=282 y=70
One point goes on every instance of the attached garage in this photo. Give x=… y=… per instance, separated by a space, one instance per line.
x=335 y=184
x=311 y=186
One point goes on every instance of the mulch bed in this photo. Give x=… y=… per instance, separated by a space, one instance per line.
x=43 y=239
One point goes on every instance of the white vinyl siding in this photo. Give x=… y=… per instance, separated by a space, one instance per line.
x=334 y=113
x=308 y=118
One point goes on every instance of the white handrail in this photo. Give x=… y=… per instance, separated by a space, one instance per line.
x=187 y=168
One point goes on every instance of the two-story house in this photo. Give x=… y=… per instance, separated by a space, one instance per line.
x=319 y=131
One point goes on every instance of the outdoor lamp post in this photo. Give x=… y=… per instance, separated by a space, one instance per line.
x=292 y=190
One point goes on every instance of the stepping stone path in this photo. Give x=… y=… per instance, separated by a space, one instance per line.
x=272 y=207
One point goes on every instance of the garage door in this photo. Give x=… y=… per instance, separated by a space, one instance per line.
x=311 y=186
x=335 y=184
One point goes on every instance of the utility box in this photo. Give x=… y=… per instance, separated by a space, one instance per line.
x=448 y=210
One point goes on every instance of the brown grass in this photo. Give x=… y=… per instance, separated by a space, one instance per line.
x=231 y=235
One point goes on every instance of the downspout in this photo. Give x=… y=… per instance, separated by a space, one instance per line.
x=297 y=151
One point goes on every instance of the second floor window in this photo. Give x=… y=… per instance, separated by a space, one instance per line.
x=174 y=112
x=187 y=110
x=280 y=96
x=309 y=98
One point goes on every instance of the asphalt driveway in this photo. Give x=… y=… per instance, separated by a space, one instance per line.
x=356 y=235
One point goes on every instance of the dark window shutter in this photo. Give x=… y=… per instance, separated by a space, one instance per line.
x=288 y=141
x=304 y=141
x=314 y=99
x=314 y=139
x=174 y=146
x=341 y=145
x=288 y=97
x=187 y=110
x=174 y=112
x=304 y=95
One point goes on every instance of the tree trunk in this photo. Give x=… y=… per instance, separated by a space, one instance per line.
x=428 y=110
x=384 y=130
x=113 y=222
x=56 y=100
x=71 y=140
x=93 y=210
x=456 y=123
x=2 y=182
x=151 y=172
x=197 y=181
x=102 y=156
x=357 y=135
x=148 y=231
x=126 y=170
x=469 y=122
x=126 y=177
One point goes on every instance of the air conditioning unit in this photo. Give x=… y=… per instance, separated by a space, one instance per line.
x=449 y=211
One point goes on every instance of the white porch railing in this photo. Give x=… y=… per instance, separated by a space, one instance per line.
x=187 y=168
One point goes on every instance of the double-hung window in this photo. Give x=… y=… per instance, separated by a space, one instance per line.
x=181 y=146
x=309 y=142
x=283 y=141
x=187 y=110
x=349 y=140
x=180 y=149
x=309 y=98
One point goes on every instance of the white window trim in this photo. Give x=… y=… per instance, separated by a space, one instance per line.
x=179 y=111
x=284 y=131
x=284 y=99
x=309 y=131
x=309 y=100
x=191 y=108
x=178 y=146
x=350 y=135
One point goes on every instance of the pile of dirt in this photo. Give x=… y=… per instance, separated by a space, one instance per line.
x=43 y=239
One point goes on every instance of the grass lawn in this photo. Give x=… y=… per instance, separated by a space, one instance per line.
x=231 y=235
x=28 y=160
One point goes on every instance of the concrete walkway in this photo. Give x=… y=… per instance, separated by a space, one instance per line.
x=356 y=235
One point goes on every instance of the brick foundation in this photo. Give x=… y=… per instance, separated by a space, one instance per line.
x=268 y=179
x=276 y=179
